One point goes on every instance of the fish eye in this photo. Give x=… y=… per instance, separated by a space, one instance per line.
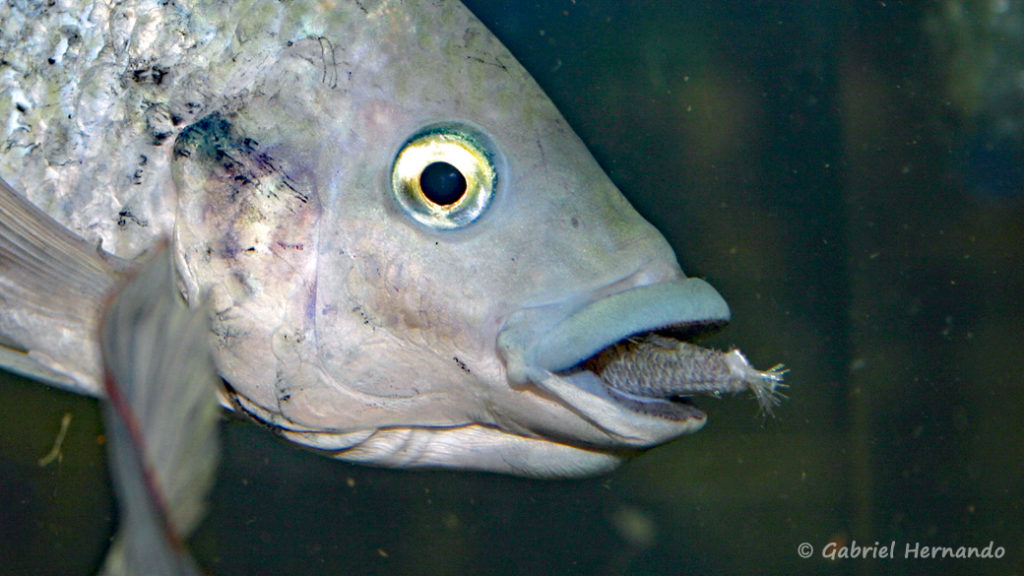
x=444 y=175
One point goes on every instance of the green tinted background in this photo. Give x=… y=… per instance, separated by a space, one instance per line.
x=847 y=174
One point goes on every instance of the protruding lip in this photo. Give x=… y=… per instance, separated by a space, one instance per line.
x=687 y=304
x=549 y=346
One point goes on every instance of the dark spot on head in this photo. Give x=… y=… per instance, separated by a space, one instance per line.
x=575 y=222
x=71 y=33
x=153 y=75
x=125 y=216
x=208 y=137
x=139 y=170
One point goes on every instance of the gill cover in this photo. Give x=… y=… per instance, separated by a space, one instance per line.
x=247 y=231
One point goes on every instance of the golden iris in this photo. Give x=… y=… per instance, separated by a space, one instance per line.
x=444 y=176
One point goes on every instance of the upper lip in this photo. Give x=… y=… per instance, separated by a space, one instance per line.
x=684 y=304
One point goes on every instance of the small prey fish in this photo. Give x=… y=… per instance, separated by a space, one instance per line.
x=653 y=369
x=409 y=257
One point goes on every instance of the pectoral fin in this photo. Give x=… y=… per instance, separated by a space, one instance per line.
x=52 y=287
x=161 y=417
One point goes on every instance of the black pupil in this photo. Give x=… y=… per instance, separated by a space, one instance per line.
x=442 y=183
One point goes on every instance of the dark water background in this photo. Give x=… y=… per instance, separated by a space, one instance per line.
x=849 y=175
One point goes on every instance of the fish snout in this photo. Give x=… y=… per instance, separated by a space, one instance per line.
x=548 y=347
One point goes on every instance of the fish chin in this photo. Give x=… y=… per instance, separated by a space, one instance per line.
x=552 y=355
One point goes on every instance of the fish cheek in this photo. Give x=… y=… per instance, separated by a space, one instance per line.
x=246 y=232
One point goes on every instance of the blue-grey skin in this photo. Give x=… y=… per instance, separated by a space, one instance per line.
x=261 y=137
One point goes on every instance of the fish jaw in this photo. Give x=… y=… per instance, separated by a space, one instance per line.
x=545 y=347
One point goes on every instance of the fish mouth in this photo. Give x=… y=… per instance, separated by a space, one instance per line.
x=672 y=404
x=659 y=375
x=567 y=357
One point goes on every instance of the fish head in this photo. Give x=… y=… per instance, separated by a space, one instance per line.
x=410 y=255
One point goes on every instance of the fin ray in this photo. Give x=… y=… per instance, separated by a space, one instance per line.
x=52 y=288
x=161 y=417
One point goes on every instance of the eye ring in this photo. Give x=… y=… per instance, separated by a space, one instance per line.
x=444 y=175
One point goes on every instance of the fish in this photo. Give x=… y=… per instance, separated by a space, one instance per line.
x=410 y=258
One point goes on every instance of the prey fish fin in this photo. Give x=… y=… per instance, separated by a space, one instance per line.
x=52 y=288
x=161 y=416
